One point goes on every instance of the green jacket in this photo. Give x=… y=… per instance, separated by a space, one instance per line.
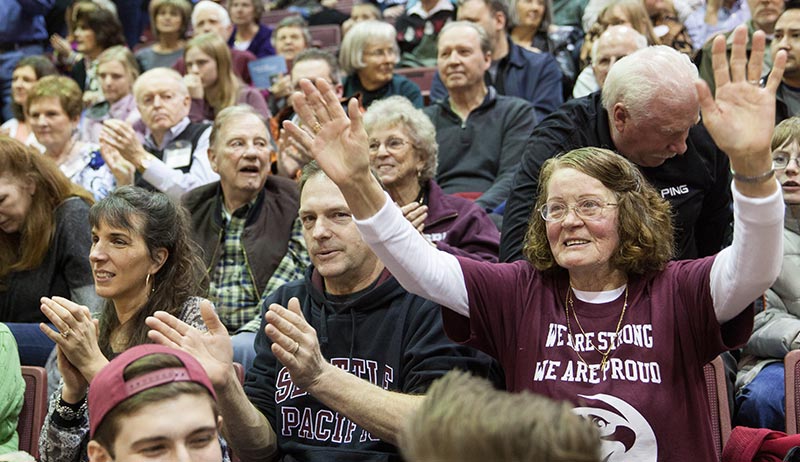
x=704 y=55
x=12 y=392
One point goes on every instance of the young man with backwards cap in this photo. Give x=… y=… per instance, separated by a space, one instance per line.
x=153 y=402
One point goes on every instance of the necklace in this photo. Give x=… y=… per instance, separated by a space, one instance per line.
x=605 y=354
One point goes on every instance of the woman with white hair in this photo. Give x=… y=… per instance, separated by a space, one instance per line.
x=367 y=56
x=403 y=152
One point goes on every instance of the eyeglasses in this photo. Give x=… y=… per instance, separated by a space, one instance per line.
x=586 y=209
x=780 y=160
x=392 y=145
x=388 y=52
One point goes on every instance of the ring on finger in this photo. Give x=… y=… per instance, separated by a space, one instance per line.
x=296 y=348
x=317 y=127
x=65 y=334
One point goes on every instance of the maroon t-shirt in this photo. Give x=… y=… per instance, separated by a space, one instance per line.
x=650 y=401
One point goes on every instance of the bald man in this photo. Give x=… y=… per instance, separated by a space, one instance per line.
x=615 y=43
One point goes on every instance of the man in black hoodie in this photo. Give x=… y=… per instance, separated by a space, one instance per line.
x=337 y=374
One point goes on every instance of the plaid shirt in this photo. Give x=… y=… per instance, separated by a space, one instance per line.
x=292 y=267
x=233 y=287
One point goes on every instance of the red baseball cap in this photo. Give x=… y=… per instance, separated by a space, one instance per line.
x=109 y=388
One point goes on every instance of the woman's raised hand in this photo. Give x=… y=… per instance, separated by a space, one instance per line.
x=741 y=116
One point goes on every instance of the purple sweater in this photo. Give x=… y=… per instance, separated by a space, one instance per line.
x=460 y=227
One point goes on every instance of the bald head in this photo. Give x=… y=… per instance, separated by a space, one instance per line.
x=615 y=43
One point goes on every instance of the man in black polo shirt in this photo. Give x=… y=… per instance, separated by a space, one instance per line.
x=648 y=112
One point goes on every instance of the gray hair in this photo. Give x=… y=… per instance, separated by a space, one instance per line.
x=397 y=111
x=235 y=112
x=315 y=54
x=159 y=73
x=513 y=16
x=486 y=44
x=351 y=52
x=656 y=73
x=293 y=21
x=620 y=32
x=222 y=13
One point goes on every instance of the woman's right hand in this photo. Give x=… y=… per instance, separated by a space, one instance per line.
x=194 y=85
x=77 y=334
x=75 y=384
x=60 y=45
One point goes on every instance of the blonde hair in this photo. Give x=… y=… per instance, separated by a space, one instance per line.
x=225 y=91
x=124 y=56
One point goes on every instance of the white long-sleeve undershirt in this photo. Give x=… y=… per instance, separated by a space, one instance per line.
x=739 y=274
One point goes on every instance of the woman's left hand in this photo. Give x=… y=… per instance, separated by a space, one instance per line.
x=76 y=336
x=416 y=214
x=741 y=116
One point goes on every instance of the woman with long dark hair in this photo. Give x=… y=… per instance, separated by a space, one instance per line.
x=143 y=260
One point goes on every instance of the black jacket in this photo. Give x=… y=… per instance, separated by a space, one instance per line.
x=697 y=183
x=383 y=334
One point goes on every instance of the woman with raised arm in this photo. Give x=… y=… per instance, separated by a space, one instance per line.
x=599 y=315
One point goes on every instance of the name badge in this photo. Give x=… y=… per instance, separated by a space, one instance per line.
x=178 y=154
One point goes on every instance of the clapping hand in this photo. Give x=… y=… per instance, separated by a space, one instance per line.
x=213 y=349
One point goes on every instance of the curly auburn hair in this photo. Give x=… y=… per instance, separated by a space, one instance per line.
x=646 y=240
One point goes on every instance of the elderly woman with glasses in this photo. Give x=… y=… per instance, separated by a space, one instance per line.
x=368 y=55
x=402 y=151
x=598 y=314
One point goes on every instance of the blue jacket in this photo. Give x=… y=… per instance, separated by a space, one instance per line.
x=261 y=44
x=23 y=20
x=534 y=77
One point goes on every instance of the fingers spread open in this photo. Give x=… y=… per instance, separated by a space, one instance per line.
x=739 y=54
x=756 y=61
x=776 y=75
x=719 y=61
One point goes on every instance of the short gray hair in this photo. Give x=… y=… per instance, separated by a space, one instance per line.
x=234 y=112
x=315 y=54
x=638 y=39
x=655 y=73
x=351 y=52
x=222 y=13
x=293 y=21
x=513 y=16
x=397 y=111
x=159 y=73
x=486 y=44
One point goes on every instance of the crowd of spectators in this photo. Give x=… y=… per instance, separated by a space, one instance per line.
x=431 y=185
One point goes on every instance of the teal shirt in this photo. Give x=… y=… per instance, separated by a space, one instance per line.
x=12 y=392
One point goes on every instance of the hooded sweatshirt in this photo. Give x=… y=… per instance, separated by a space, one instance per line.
x=383 y=334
